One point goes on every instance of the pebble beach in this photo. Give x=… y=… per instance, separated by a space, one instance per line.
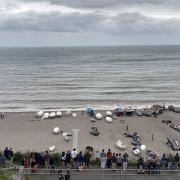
x=24 y=132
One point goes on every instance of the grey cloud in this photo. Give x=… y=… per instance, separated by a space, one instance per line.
x=123 y=23
x=110 y=3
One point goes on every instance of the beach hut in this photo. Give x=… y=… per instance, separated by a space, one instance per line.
x=39 y=114
x=58 y=113
x=109 y=119
x=98 y=116
x=45 y=116
x=120 y=145
x=56 y=130
x=52 y=115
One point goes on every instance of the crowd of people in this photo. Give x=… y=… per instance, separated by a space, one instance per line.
x=100 y=159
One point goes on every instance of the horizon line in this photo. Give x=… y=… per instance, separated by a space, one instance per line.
x=57 y=46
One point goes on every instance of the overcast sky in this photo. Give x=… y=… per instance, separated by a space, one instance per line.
x=89 y=22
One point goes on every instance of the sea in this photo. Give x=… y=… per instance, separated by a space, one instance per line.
x=57 y=78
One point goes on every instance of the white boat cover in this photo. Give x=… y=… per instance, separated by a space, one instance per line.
x=98 y=116
x=109 y=113
x=45 y=116
x=59 y=114
x=120 y=145
x=39 y=114
x=136 y=152
x=74 y=114
x=56 y=130
x=52 y=115
x=52 y=148
x=109 y=119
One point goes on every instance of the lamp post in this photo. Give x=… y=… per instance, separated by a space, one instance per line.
x=75 y=139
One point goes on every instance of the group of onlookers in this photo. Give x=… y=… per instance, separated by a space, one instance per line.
x=103 y=159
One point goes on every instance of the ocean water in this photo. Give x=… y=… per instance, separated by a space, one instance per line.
x=77 y=77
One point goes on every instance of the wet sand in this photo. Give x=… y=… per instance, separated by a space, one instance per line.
x=22 y=131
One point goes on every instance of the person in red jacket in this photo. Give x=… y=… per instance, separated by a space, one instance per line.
x=109 y=158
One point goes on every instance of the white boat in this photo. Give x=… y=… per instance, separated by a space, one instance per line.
x=67 y=136
x=109 y=119
x=56 y=130
x=52 y=148
x=74 y=115
x=58 y=113
x=136 y=151
x=45 y=116
x=98 y=116
x=109 y=113
x=120 y=145
x=68 y=112
x=52 y=115
x=39 y=114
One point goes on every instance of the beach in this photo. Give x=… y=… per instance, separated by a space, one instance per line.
x=24 y=132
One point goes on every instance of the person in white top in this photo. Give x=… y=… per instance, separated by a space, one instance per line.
x=74 y=157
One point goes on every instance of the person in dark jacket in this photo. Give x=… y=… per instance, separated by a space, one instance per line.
x=51 y=163
x=6 y=153
x=176 y=160
x=87 y=157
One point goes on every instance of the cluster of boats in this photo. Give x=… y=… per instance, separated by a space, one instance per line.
x=176 y=127
x=50 y=115
x=173 y=143
x=152 y=111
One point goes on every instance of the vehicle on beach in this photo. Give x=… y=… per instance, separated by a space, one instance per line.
x=138 y=112
x=129 y=111
x=94 y=131
x=119 y=111
x=174 y=109
x=173 y=143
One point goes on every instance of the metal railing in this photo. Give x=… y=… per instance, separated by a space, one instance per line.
x=97 y=174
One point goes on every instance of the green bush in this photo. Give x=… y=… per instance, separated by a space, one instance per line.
x=57 y=159
x=6 y=175
x=18 y=158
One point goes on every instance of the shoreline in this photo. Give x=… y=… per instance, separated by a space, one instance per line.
x=99 y=107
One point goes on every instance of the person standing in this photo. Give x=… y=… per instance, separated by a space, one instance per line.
x=46 y=159
x=125 y=161
x=109 y=158
x=113 y=161
x=87 y=157
x=51 y=163
x=74 y=158
x=103 y=159
x=176 y=160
